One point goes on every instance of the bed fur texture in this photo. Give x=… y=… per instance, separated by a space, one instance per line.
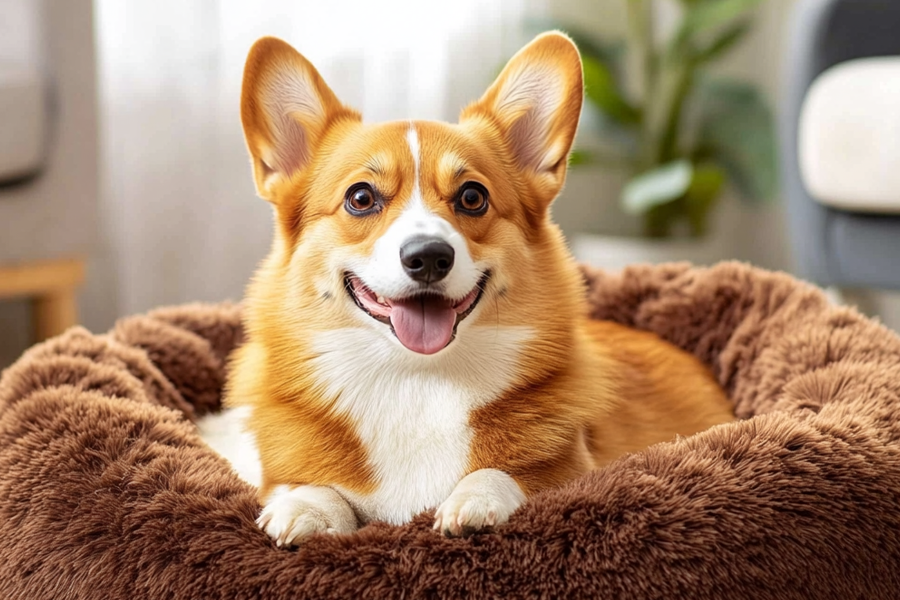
x=107 y=492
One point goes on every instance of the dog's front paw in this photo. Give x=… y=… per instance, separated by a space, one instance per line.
x=292 y=514
x=481 y=499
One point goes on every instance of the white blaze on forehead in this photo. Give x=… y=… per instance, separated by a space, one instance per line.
x=416 y=214
x=412 y=139
x=383 y=272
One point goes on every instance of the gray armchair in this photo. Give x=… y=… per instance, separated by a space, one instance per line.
x=836 y=245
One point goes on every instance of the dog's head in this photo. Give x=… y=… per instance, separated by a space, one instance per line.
x=414 y=228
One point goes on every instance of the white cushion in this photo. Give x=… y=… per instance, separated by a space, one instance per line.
x=849 y=138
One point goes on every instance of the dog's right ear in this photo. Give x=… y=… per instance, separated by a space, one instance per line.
x=286 y=108
x=536 y=102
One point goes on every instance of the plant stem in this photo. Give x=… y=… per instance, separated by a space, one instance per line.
x=658 y=220
x=640 y=34
x=640 y=30
x=682 y=80
x=673 y=77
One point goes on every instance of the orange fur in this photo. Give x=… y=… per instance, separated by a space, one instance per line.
x=621 y=391
x=585 y=392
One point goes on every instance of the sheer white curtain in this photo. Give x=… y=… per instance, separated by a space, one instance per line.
x=20 y=44
x=179 y=209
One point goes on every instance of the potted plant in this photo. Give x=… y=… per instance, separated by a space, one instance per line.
x=684 y=135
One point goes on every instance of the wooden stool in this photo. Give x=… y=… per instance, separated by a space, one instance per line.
x=51 y=285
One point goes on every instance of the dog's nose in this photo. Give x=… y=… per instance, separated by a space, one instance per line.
x=427 y=259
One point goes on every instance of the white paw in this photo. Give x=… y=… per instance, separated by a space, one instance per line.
x=292 y=514
x=481 y=499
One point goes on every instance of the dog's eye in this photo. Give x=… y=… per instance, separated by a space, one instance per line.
x=472 y=199
x=361 y=200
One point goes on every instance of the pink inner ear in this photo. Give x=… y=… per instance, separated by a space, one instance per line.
x=294 y=112
x=528 y=138
x=530 y=100
x=291 y=145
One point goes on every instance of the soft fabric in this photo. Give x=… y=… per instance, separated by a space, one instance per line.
x=107 y=492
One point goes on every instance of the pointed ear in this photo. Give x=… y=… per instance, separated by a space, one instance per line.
x=536 y=102
x=286 y=108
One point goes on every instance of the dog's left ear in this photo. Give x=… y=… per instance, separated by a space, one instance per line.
x=536 y=102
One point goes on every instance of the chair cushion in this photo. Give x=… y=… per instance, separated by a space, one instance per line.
x=849 y=136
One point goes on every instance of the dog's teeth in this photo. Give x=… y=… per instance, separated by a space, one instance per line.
x=380 y=299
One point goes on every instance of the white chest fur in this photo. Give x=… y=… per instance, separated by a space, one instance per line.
x=412 y=411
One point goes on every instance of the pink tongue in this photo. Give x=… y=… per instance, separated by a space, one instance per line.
x=424 y=325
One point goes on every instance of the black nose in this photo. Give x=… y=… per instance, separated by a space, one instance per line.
x=426 y=259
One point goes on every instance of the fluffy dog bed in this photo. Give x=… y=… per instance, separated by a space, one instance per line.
x=107 y=492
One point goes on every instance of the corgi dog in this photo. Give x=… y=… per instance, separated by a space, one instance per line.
x=418 y=337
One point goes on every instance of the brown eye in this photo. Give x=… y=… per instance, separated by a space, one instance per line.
x=361 y=200
x=472 y=199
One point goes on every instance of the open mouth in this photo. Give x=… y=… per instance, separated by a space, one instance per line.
x=425 y=323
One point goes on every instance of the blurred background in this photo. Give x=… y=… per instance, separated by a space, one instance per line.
x=763 y=131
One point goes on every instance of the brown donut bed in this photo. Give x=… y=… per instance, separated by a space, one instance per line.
x=107 y=492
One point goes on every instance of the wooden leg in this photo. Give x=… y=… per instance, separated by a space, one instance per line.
x=51 y=286
x=53 y=313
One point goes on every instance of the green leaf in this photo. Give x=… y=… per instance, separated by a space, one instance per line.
x=665 y=131
x=701 y=196
x=600 y=156
x=722 y=43
x=657 y=187
x=706 y=183
x=580 y=157
x=736 y=129
x=602 y=90
x=702 y=17
x=720 y=92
